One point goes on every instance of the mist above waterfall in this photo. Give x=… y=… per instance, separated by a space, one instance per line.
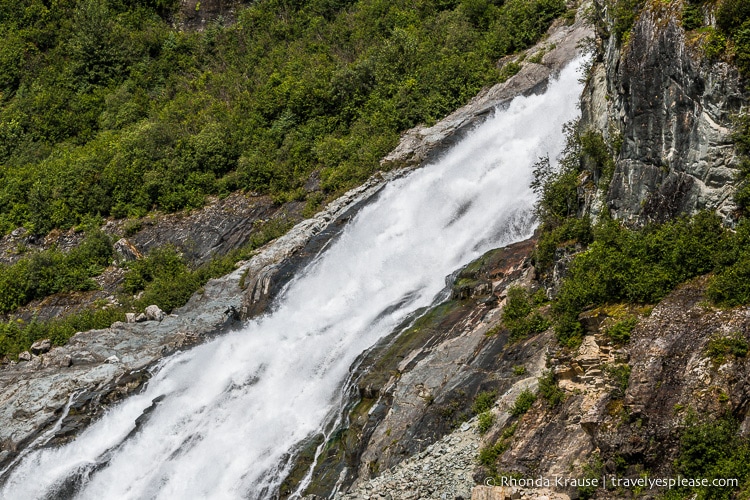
x=229 y=411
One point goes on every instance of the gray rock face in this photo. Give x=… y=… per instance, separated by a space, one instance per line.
x=125 y=251
x=673 y=112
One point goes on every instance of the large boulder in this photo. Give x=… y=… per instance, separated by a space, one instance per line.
x=153 y=313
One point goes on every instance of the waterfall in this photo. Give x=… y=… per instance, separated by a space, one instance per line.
x=217 y=421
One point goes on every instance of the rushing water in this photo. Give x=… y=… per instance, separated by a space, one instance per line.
x=231 y=409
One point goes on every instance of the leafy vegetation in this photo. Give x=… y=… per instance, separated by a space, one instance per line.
x=107 y=110
x=713 y=450
x=523 y=403
x=642 y=266
x=557 y=209
x=721 y=347
x=741 y=138
x=624 y=14
x=483 y=402
x=52 y=271
x=163 y=276
x=692 y=15
x=486 y=420
x=620 y=375
x=17 y=336
x=730 y=38
x=166 y=279
x=620 y=331
x=549 y=390
x=519 y=316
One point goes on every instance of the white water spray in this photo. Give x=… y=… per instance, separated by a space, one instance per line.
x=234 y=407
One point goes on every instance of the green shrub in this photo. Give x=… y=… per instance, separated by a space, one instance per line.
x=549 y=390
x=483 y=402
x=107 y=108
x=567 y=232
x=489 y=454
x=486 y=419
x=623 y=265
x=731 y=15
x=51 y=271
x=720 y=347
x=523 y=403
x=166 y=280
x=620 y=376
x=17 y=336
x=519 y=317
x=624 y=14
x=713 y=450
x=620 y=331
x=692 y=16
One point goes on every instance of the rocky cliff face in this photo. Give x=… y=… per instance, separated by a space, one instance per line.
x=671 y=110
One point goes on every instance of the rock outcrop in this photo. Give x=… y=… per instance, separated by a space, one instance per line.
x=671 y=110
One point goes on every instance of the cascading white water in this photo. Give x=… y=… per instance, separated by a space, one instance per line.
x=232 y=408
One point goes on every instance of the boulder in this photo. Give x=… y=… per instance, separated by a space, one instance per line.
x=153 y=313
x=141 y=318
x=41 y=346
x=24 y=356
x=130 y=317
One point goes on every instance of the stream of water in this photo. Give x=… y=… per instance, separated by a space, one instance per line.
x=231 y=409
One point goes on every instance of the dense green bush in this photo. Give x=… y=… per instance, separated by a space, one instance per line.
x=166 y=279
x=741 y=138
x=520 y=316
x=620 y=331
x=558 y=205
x=692 y=15
x=523 y=403
x=485 y=421
x=713 y=450
x=620 y=376
x=624 y=14
x=17 y=336
x=52 y=271
x=642 y=266
x=723 y=346
x=483 y=402
x=106 y=109
x=549 y=390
